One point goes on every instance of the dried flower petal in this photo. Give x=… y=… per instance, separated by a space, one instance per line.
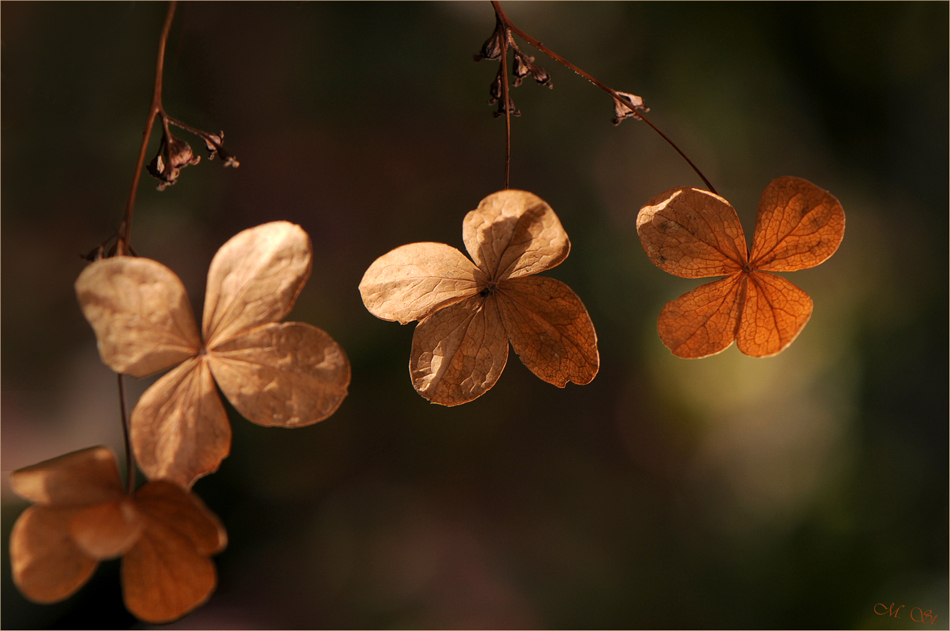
x=459 y=352
x=514 y=233
x=414 y=280
x=179 y=428
x=47 y=564
x=283 y=375
x=798 y=226
x=140 y=313
x=167 y=573
x=80 y=478
x=694 y=234
x=106 y=530
x=468 y=314
x=254 y=279
x=774 y=313
x=550 y=329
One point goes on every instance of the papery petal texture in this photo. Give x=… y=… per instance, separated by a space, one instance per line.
x=80 y=478
x=514 y=233
x=47 y=565
x=179 y=428
x=415 y=280
x=774 y=313
x=798 y=226
x=164 y=577
x=549 y=329
x=703 y=322
x=692 y=233
x=458 y=353
x=284 y=375
x=168 y=503
x=140 y=313
x=255 y=279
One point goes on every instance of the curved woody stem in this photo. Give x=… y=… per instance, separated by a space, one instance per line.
x=123 y=242
x=502 y=17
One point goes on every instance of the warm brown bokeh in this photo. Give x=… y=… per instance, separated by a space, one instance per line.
x=695 y=234
x=285 y=375
x=82 y=516
x=469 y=312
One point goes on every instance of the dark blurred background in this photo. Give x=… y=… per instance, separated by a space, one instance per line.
x=795 y=492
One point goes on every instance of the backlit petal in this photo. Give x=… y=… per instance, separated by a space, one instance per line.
x=550 y=329
x=775 y=312
x=703 y=321
x=80 y=478
x=798 y=226
x=692 y=233
x=47 y=564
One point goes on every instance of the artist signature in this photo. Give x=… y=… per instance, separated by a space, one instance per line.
x=916 y=613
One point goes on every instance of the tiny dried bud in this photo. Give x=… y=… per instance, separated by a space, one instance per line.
x=495 y=90
x=491 y=49
x=511 y=108
x=622 y=110
x=173 y=155
x=522 y=66
x=214 y=144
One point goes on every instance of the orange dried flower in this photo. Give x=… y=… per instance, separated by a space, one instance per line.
x=81 y=516
x=693 y=233
x=275 y=374
x=468 y=312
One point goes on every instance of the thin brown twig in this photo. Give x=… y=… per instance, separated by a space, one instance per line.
x=155 y=108
x=129 y=461
x=506 y=95
x=510 y=26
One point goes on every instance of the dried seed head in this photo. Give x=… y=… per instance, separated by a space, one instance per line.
x=622 y=110
x=173 y=155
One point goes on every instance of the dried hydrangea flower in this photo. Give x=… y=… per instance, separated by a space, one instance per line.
x=468 y=312
x=81 y=516
x=276 y=374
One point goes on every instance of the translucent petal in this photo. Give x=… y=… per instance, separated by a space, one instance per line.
x=550 y=329
x=184 y=512
x=798 y=226
x=774 y=313
x=47 y=564
x=703 y=321
x=164 y=576
x=692 y=233
x=106 y=530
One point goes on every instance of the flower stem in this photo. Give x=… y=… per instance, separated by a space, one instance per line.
x=125 y=228
x=509 y=26
x=505 y=89
x=129 y=461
